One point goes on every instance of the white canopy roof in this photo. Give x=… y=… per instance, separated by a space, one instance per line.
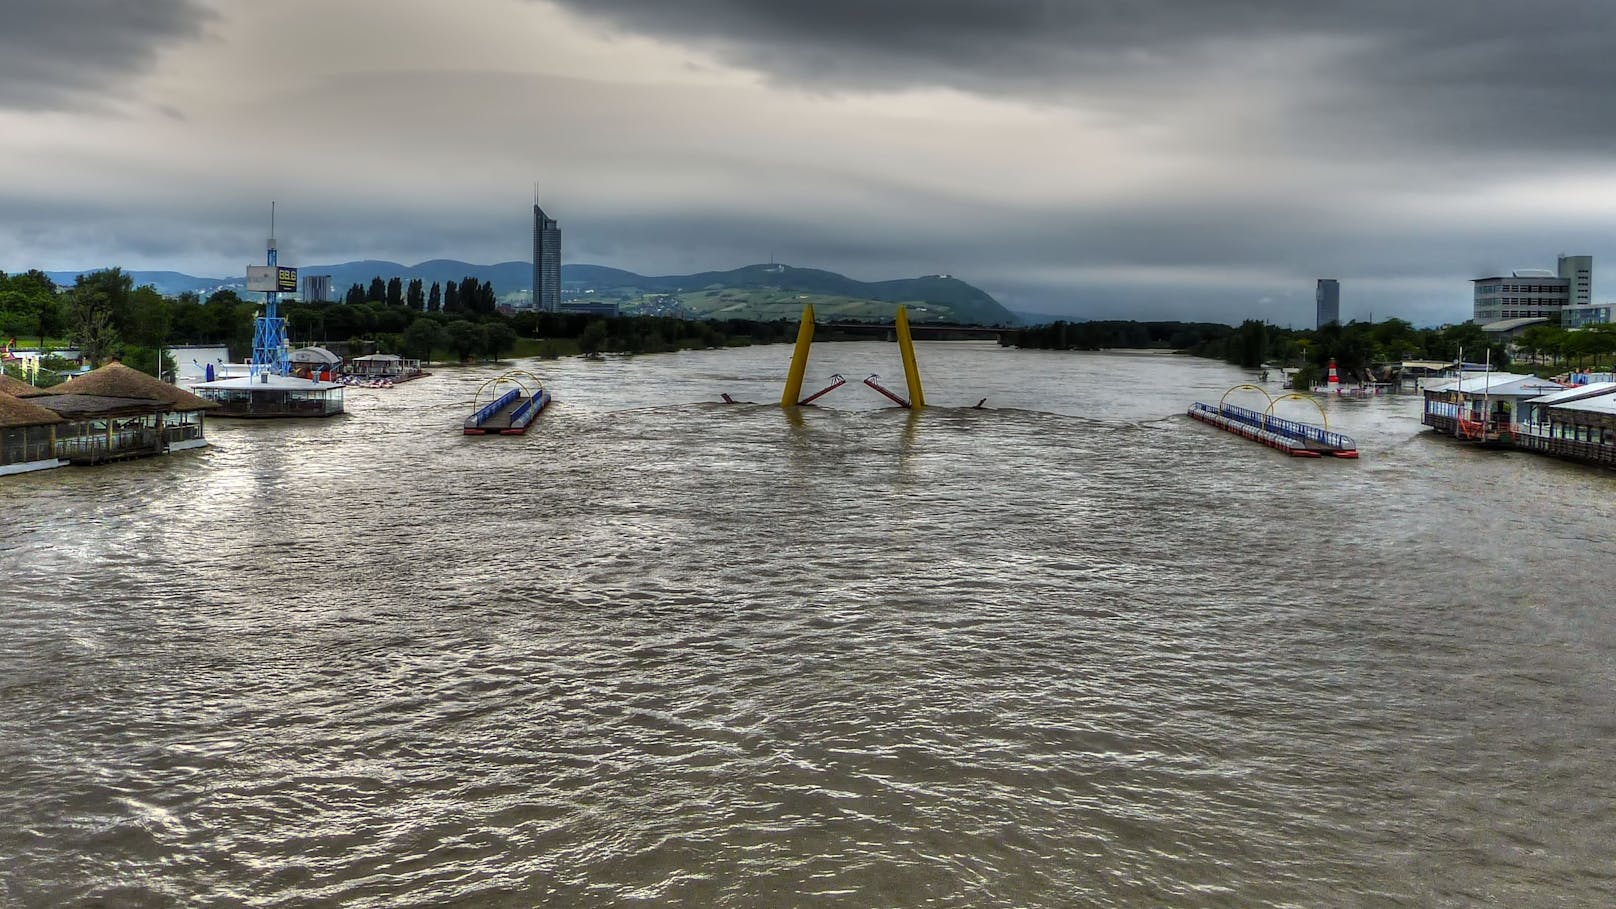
x=1575 y=392
x=316 y=355
x=1605 y=403
x=1498 y=384
x=270 y=383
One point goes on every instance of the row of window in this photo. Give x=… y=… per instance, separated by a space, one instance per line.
x=1523 y=289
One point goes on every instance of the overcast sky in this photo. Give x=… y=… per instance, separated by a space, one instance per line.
x=1151 y=159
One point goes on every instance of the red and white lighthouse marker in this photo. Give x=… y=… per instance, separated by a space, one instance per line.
x=1334 y=380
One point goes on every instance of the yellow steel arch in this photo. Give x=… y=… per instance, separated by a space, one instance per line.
x=1257 y=388
x=510 y=377
x=1300 y=397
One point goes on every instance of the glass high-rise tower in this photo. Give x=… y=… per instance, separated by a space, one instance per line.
x=1327 y=296
x=546 y=261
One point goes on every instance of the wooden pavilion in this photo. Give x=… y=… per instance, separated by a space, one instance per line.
x=27 y=432
x=115 y=412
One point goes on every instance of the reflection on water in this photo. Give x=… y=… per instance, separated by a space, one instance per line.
x=1072 y=648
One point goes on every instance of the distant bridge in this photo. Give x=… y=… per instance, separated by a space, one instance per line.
x=922 y=331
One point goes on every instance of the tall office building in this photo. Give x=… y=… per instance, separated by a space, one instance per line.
x=1579 y=270
x=1328 y=298
x=546 y=261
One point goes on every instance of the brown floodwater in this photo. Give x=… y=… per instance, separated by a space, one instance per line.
x=1069 y=649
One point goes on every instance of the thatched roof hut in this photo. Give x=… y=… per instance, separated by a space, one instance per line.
x=116 y=380
x=16 y=412
x=14 y=387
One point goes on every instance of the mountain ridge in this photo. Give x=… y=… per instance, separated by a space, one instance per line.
x=962 y=301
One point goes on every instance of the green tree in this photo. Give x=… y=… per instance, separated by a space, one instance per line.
x=355 y=295
x=1251 y=343
x=465 y=338
x=467 y=294
x=145 y=359
x=414 y=298
x=421 y=338
x=499 y=337
x=377 y=292
x=593 y=339
x=451 y=297
x=434 y=300
x=29 y=307
x=395 y=291
x=90 y=310
x=117 y=288
x=149 y=318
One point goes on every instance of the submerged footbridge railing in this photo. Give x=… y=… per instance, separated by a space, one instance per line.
x=511 y=412
x=1295 y=438
x=492 y=407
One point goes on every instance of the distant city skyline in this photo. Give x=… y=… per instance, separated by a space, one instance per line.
x=1192 y=160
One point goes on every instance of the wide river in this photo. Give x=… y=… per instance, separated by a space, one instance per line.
x=1071 y=649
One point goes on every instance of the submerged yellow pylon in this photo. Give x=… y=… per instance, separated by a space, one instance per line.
x=911 y=370
x=799 y=359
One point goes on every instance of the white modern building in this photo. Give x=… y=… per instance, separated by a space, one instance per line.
x=1526 y=293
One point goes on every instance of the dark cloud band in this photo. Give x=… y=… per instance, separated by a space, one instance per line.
x=72 y=53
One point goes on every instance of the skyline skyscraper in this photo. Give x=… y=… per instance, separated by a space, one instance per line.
x=546 y=261
x=1328 y=299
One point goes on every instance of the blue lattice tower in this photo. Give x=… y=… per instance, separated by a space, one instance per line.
x=269 y=329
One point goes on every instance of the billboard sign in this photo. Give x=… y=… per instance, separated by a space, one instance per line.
x=271 y=279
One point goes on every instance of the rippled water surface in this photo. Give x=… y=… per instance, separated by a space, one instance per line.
x=1069 y=649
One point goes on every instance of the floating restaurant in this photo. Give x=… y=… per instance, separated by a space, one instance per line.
x=1578 y=424
x=267 y=395
x=1482 y=408
x=107 y=414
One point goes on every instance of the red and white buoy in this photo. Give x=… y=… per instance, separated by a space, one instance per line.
x=1334 y=380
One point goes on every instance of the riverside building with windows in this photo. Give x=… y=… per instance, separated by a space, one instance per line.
x=1526 y=293
x=1536 y=293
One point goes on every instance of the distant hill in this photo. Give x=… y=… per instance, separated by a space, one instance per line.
x=166 y=282
x=778 y=291
x=755 y=291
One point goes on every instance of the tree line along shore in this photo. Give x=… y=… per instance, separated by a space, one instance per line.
x=104 y=315
x=1356 y=347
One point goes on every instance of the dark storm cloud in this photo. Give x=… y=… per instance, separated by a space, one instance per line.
x=72 y=53
x=1394 y=71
